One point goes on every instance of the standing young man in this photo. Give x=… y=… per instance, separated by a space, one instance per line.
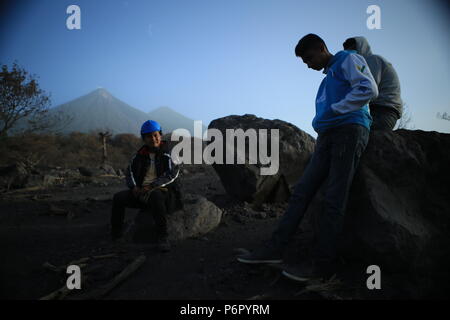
x=387 y=108
x=342 y=122
x=152 y=181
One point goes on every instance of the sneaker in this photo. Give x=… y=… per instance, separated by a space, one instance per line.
x=265 y=254
x=163 y=245
x=304 y=272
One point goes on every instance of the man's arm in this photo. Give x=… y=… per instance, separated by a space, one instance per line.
x=364 y=87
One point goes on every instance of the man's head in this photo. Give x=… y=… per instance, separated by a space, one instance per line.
x=350 y=44
x=313 y=51
x=151 y=133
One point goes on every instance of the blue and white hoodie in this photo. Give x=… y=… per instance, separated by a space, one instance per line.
x=344 y=93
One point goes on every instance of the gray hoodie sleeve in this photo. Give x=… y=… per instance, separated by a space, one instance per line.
x=385 y=76
x=388 y=83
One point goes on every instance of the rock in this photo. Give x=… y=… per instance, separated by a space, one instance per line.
x=70 y=173
x=14 y=176
x=100 y=183
x=34 y=180
x=92 y=171
x=244 y=181
x=398 y=214
x=38 y=197
x=239 y=219
x=260 y=215
x=50 y=180
x=400 y=198
x=198 y=217
x=107 y=169
x=107 y=197
x=85 y=172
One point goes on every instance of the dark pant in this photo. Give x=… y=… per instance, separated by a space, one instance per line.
x=156 y=205
x=384 y=118
x=334 y=161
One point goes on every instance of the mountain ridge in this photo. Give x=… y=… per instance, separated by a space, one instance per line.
x=100 y=110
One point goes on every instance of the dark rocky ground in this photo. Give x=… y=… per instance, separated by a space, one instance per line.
x=60 y=224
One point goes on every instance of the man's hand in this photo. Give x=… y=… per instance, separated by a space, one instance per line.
x=147 y=188
x=136 y=191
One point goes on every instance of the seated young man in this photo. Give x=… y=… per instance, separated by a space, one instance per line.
x=152 y=181
x=387 y=108
x=342 y=122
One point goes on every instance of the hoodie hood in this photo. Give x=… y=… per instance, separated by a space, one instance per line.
x=362 y=46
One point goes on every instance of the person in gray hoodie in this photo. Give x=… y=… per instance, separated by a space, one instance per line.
x=387 y=108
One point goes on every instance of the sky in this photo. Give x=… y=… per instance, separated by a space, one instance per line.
x=212 y=58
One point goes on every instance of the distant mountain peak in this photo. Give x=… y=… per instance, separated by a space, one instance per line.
x=99 y=109
x=100 y=91
x=162 y=108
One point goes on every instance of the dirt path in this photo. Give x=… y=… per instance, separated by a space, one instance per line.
x=205 y=268
x=194 y=269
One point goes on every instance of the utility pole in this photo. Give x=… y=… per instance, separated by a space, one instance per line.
x=103 y=137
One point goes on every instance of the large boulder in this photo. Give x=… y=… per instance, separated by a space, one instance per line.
x=244 y=181
x=398 y=212
x=198 y=217
x=399 y=208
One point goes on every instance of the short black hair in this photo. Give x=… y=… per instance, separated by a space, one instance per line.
x=349 y=43
x=307 y=42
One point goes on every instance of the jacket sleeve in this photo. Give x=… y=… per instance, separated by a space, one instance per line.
x=389 y=87
x=129 y=175
x=363 y=85
x=170 y=175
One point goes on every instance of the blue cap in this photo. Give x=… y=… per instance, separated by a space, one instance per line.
x=150 y=126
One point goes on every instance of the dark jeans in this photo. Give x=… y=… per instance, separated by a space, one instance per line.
x=384 y=118
x=156 y=205
x=334 y=160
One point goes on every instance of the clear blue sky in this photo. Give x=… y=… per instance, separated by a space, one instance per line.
x=211 y=58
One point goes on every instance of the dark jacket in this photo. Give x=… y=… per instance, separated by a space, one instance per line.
x=167 y=171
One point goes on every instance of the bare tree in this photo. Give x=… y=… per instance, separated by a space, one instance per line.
x=405 y=122
x=24 y=107
x=444 y=116
x=20 y=97
x=48 y=122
